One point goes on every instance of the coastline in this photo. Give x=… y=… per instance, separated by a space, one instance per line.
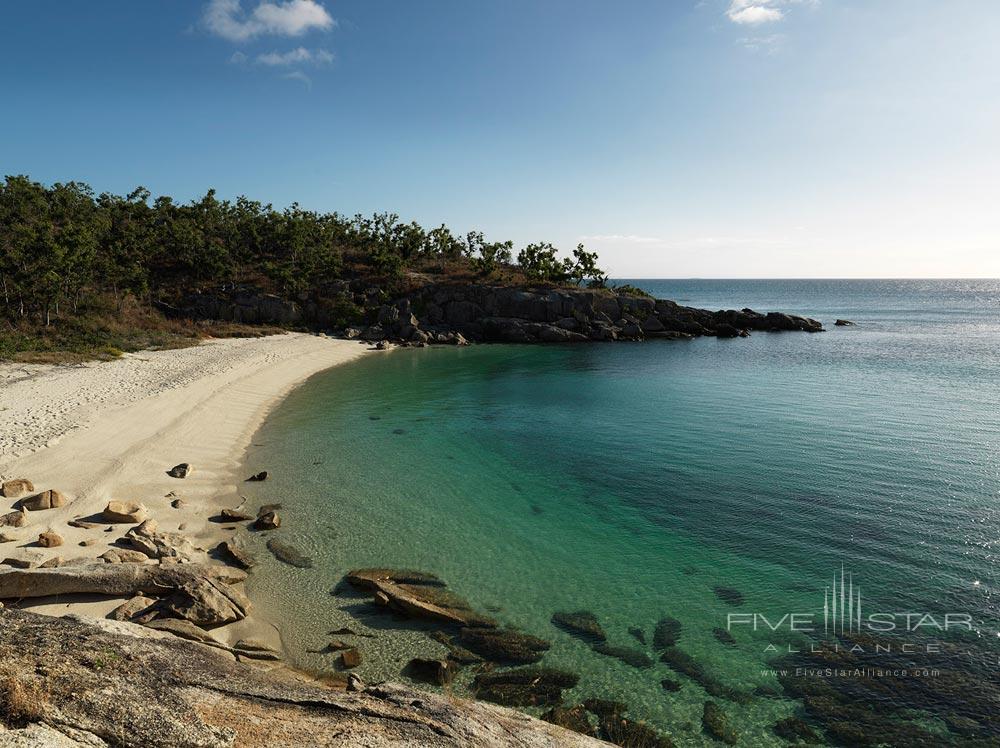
x=111 y=430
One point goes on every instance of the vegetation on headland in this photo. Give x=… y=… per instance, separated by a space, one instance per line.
x=81 y=273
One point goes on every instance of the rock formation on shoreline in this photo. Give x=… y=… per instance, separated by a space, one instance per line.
x=68 y=682
x=455 y=313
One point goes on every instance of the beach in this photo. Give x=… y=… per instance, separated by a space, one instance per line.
x=112 y=430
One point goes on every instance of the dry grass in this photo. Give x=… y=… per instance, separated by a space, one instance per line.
x=21 y=701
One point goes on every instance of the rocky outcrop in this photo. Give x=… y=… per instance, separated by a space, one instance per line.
x=123 y=685
x=442 y=313
x=455 y=313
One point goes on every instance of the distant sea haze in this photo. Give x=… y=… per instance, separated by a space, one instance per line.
x=637 y=481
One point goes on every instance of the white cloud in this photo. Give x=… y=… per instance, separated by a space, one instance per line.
x=299 y=56
x=758 y=12
x=227 y=19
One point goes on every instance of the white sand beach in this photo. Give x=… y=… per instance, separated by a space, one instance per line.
x=111 y=430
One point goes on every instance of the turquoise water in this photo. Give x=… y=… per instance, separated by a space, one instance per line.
x=632 y=479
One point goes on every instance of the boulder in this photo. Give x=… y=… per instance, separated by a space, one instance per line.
x=183 y=630
x=233 y=515
x=124 y=512
x=134 y=609
x=350 y=658
x=124 y=556
x=14 y=519
x=435 y=672
x=145 y=539
x=206 y=602
x=179 y=471
x=233 y=550
x=267 y=521
x=255 y=650
x=5 y=538
x=178 y=503
x=16 y=488
x=45 y=500
x=17 y=563
x=417 y=595
x=844 y=323
x=53 y=563
x=50 y=539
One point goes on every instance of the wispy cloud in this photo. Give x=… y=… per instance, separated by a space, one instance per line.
x=227 y=18
x=620 y=238
x=759 y=12
x=298 y=75
x=299 y=56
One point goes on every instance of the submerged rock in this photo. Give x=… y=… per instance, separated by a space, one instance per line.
x=417 y=595
x=573 y=718
x=604 y=707
x=289 y=554
x=715 y=723
x=844 y=323
x=633 y=657
x=524 y=687
x=666 y=633
x=723 y=637
x=582 y=624
x=624 y=732
x=729 y=595
x=638 y=634
x=794 y=730
x=504 y=645
x=670 y=686
x=436 y=672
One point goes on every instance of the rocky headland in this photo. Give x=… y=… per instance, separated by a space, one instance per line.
x=449 y=313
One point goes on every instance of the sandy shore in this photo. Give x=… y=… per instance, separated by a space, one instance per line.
x=111 y=430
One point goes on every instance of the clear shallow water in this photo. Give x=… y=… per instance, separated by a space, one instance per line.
x=631 y=479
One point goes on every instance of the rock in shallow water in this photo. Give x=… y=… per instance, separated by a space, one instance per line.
x=582 y=624
x=666 y=633
x=715 y=723
x=504 y=645
x=524 y=687
x=729 y=595
x=629 y=656
x=289 y=554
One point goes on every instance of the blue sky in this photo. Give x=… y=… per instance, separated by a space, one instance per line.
x=716 y=138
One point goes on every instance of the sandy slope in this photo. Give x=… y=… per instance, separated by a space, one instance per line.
x=112 y=430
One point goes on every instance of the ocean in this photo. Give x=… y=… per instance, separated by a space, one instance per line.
x=634 y=480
